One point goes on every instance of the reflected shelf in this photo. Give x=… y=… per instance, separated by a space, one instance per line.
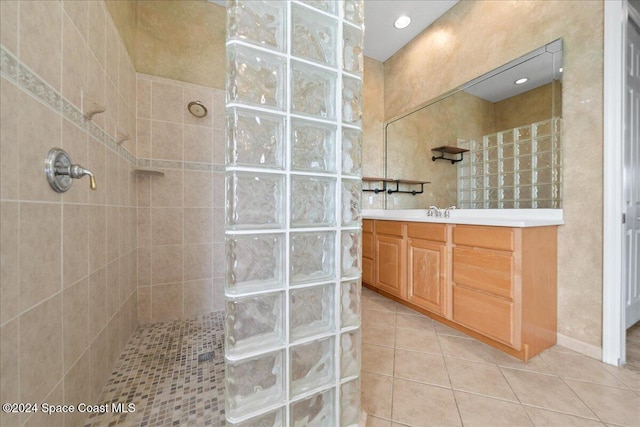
x=387 y=182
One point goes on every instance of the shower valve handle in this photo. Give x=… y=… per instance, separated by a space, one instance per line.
x=60 y=171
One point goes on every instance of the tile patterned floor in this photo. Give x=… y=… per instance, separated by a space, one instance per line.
x=633 y=345
x=417 y=372
x=159 y=371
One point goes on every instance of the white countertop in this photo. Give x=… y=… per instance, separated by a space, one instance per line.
x=494 y=217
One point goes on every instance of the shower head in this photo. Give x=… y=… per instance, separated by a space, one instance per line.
x=197 y=109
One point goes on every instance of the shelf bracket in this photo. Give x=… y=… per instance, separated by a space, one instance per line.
x=449 y=150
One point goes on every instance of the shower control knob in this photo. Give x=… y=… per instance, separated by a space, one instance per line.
x=60 y=171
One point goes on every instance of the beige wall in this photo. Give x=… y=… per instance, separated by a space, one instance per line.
x=68 y=269
x=373 y=128
x=475 y=37
x=180 y=214
x=529 y=107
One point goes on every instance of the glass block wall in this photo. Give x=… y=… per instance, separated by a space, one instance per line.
x=515 y=168
x=293 y=227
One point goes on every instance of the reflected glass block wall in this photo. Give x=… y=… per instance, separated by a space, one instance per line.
x=293 y=226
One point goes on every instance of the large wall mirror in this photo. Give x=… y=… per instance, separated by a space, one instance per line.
x=509 y=120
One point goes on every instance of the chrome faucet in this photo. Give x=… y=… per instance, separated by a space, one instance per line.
x=447 y=211
x=434 y=211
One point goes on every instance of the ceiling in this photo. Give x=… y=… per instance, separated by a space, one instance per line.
x=381 y=39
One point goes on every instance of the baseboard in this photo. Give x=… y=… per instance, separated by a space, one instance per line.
x=580 y=347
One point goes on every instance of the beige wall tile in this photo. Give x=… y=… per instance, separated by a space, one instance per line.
x=218 y=224
x=41 y=365
x=113 y=233
x=96 y=34
x=144 y=305
x=166 y=302
x=144 y=266
x=113 y=288
x=198 y=225
x=96 y=87
x=218 y=146
x=166 y=226
x=41 y=419
x=77 y=389
x=74 y=142
x=10 y=266
x=97 y=223
x=75 y=319
x=198 y=261
x=218 y=295
x=9 y=98
x=198 y=189
x=378 y=422
x=111 y=54
x=97 y=301
x=112 y=182
x=99 y=362
x=78 y=12
x=197 y=297
x=111 y=115
x=167 y=190
x=40 y=39
x=144 y=227
x=218 y=259
x=166 y=140
x=96 y=153
x=9 y=25
x=218 y=109
x=40 y=255
x=34 y=143
x=9 y=370
x=74 y=62
x=143 y=98
x=165 y=102
x=198 y=144
x=143 y=139
x=166 y=264
x=218 y=190
x=75 y=241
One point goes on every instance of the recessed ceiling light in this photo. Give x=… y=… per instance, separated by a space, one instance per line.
x=402 y=22
x=561 y=69
x=521 y=81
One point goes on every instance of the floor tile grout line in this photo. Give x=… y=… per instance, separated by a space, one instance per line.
x=446 y=367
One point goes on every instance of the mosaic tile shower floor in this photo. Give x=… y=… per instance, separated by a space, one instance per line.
x=160 y=372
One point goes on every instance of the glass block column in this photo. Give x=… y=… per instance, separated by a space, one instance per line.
x=293 y=226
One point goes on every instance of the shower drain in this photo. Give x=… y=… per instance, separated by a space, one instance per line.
x=204 y=357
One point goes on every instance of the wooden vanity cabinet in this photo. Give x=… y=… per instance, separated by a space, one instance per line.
x=427 y=266
x=389 y=257
x=497 y=284
x=504 y=284
x=367 y=251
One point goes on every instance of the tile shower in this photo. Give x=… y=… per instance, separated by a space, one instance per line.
x=81 y=271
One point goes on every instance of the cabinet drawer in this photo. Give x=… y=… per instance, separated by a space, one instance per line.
x=491 y=316
x=500 y=238
x=393 y=228
x=487 y=271
x=426 y=231
x=367 y=245
x=367 y=225
x=367 y=271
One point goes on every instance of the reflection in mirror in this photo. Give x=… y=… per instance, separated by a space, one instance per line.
x=511 y=129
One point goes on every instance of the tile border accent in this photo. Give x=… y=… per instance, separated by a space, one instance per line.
x=18 y=73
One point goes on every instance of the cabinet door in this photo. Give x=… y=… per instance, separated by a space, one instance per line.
x=426 y=274
x=367 y=271
x=389 y=260
x=367 y=244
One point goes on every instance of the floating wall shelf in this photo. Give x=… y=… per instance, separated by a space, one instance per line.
x=447 y=149
x=145 y=171
x=386 y=182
